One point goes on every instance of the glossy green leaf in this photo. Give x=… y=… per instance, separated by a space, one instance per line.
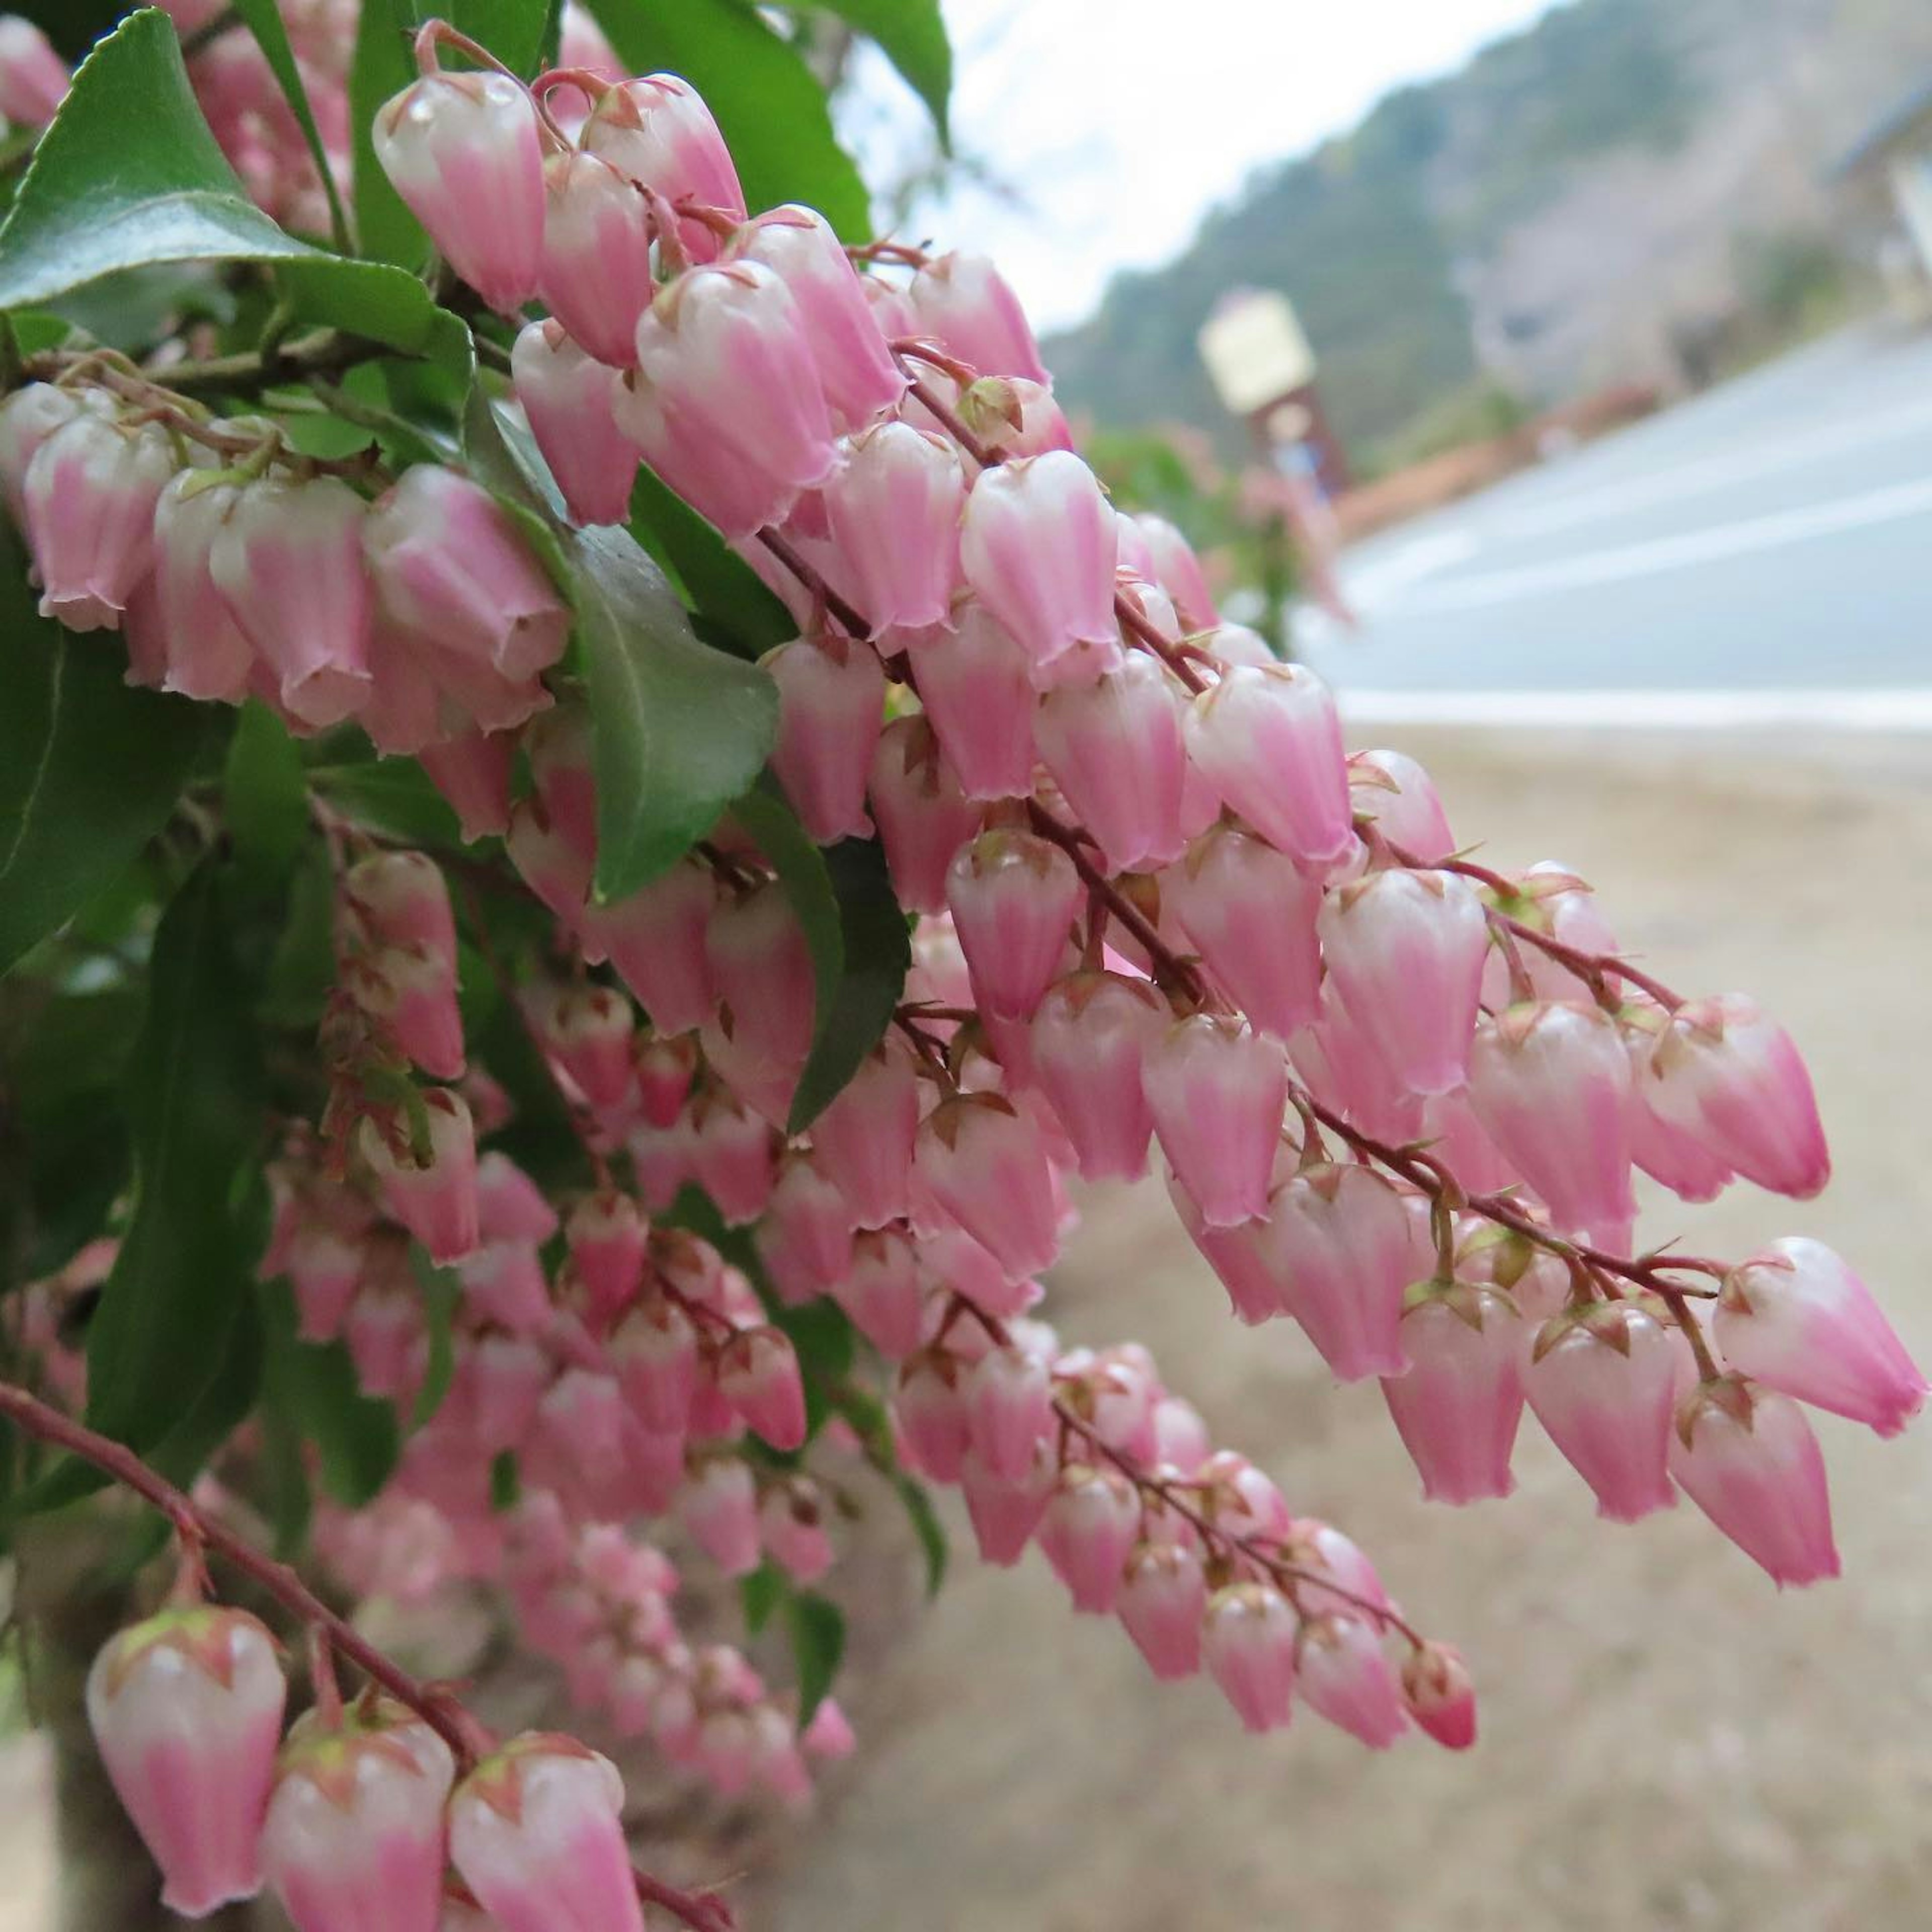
x=726 y=593
x=927 y=1527
x=396 y=795
x=441 y=1290
x=817 y=1627
x=769 y=106
x=506 y=1484
x=301 y=970
x=217 y=1409
x=89 y=767
x=760 y=1594
x=911 y=35
x=129 y=174
x=265 y=793
x=264 y=20
x=379 y=67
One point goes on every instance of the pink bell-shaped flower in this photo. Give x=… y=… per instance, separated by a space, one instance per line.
x=1406 y=950
x=1009 y=1410
x=731 y=1156
x=758 y=1375
x=27 y=418
x=1162 y=1601
x=1796 y=1319
x=1266 y=737
x=1551 y=1084
x=1114 y=747
x=1346 y=1676
x=590 y=1031
x=808 y=1221
x=665 y=1068
x=973 y=683
x=507 y=1377
x=985 y=1163
x=534 y=1831
x=832 y=706
x=1248 y=1643
x=655 y=939
x=1602 y=1381
x=1435 y=1685
x=654 y=1349
x=1394 y=792
x=1342 y=1065
x=289 y=560
x=89 y=497
x=187 y=1709
x=607 y=1236
x=471 y=770
x=510 y=1206
x=33 y=79
x=208 y=653
x=881 y=1293
x=893 y=506
x=864 y=1139
x=1343 y=1251
x=1252 y=916
x=1725 y=1072
x=1092 y=1521
x=1241 y=1257
x=924 y=819
x=353 y=1840
x=791 y=1521
x=595 y=277
x=1746 y=1457
x=435 y=1199
x=755 y=947
x=1005 y=1516
x=657 y=132
x=1218 y=1089
x=929 y=1405
x=1013 y=897
x=325 y=1269
x=1091 y=1040
x=414 y=992
x=1036 y=546
x=463 y=151
x=1178 y=570
x=450 y=565
x=861 y=379
x=962 y=302
x=402 y=899
x=719 y=1504
x=567 y=396
x=1457 y=1407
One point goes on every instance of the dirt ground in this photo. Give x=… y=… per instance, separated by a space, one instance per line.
x=1666 y=1741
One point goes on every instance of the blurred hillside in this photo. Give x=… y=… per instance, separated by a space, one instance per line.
x=1615 y=194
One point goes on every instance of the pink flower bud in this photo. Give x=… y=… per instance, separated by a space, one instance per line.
x=1091 y=1523
x=451 y=565
x=1252 y=916
x=894 y=507
x=1602 y=1384
x=832 y=703
x=509 y=1376
x=1114 y=747
x=591 y=1030
x=568 y=397
x=33 y=77
x=186 y=1708
x=606 y=1234
x=1091 y=1039
x=1036 y=545
x=1009 y=1410
x=1458 y=1406
x=1796 y=1319
x=719 y=1504
x=435 y=1200
x=973 y=683
x=792 y=1522
x=595 y=273
x=209 y=655
x=882 y=1295
x=808 y=1220
x=655 y=939
x=1004 y=1516
x=1267 y=739
x=755 y=947
x=864 y=1139
x=535 y=1832
x=582 y=1415
x=385 y=1336
x=1247 y=1639
x=401 y=899
x=930 y=1408
x=1436 y=1686
x=1551 y=1084
x=1746 y=1457
x=1242 y=1500
x=986 y=1167
x=1393 y=790
x=924 y=819
x=88 y=497
x=654 y=1350
x=414 y=994
x=463 y=151
x=731 y=1156
x=658 y=132
x=325 y=1269
x=353 y=1840
x=510 y=1207
x=1724 y=1072
x=1218 y=1089
x=471 y=770
x=289 y=560
x=1343 y=1251
x=1406 y=950
x=1242 y=1258
x=503 y=1281
x=1346 y=1677
x=861 y=380
x=962 y=302
x=1013 y=898
x=665 y=1071
x=1011 y=414
x=1342 y=1066
x=1178 y=570
x=27 y=418
x=1162 y=1602
x=724 y=352
x=758 y=1374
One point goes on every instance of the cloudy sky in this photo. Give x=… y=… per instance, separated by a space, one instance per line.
x=1110 y=126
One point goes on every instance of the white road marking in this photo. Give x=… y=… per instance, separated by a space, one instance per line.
x=1897 y=709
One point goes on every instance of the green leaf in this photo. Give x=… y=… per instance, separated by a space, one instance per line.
x=506 y=1484
x=926 y=1525
x=301 y=969
x=719 y=585
x=129 y=174
x=515 y=31
x=912 y=35
x=817 y=1629
x=265 y=794
x=760 y=1594
x=395 y=796
x=379 y=67
x=356 y=1438
x=264 y=23
x=772 y=110
x=217 y=1411
x=89 y=767
x=441 y=1290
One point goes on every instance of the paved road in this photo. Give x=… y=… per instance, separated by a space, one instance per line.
x=1772 y=538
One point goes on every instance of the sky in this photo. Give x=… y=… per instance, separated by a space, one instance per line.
x=1110 y=126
